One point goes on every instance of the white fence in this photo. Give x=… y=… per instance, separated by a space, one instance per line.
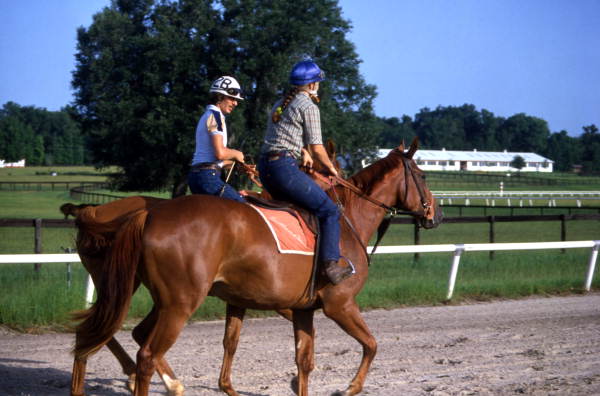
x=457 y=249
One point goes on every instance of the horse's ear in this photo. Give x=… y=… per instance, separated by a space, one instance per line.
x=401 y=147
x=330 y=147
x=413 y=147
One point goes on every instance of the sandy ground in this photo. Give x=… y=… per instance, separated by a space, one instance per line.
x=540 y=346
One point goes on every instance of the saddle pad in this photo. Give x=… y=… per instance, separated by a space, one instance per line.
x=291 y=233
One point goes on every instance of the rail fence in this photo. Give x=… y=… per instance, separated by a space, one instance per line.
x=39 y=224
x=49 y=185
x=83 y=194
x=457 y=249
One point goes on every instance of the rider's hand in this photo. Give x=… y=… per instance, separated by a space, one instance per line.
x=306 y=159
x=239 y=156
x=251 y=169
x=333 y=171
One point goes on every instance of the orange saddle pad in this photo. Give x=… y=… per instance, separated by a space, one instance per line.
x=291 y=233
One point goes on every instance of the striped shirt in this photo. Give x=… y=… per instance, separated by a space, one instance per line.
x=300 y=125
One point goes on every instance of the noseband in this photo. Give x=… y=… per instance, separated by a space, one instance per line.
x=427 y=207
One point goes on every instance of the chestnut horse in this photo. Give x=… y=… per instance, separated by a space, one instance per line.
x=186 y=250
x=97 y=227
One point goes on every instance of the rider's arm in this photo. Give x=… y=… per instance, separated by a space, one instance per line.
x=223 y=153
x=318 y=151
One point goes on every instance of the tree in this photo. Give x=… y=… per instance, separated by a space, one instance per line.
x=590 y=156
x=394 y=131
x=143 y=69
x=564 y=150
x=517 y=162
x=40 y=136
x=524 y=133
x=15 y=140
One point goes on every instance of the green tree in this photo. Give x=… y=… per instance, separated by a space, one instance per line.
x=590 y=156
x=524 y=133
x=45 y=137
x=517 y=162
x=564 y=150
x=144 y=68
x=15 y=140
x=394 y=131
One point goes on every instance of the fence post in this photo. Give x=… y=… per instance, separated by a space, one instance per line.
x=460 y=248
x=37 y=248
x=563 y=230
x=492 y=233
x=417 y=236
x=591 y=266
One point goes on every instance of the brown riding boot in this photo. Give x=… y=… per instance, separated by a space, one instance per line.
x=335 y=273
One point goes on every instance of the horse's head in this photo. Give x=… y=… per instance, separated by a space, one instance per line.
x=415 y=196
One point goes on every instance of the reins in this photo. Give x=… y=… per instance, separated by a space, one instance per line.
x=385 y=223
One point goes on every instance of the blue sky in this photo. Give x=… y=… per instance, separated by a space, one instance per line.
x=540 y=57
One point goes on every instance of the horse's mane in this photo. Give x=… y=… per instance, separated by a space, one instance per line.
x=366 y=178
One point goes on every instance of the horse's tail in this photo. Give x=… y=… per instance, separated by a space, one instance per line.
x=95 y=236
x=103 y=319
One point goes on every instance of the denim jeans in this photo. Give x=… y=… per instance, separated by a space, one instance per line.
x=208 y=181
x=286 y=182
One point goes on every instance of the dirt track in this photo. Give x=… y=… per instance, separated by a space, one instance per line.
x=534 y=346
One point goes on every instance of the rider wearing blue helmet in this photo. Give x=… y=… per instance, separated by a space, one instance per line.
x=295 y=123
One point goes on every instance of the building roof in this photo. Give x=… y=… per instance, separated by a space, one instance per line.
x=457 y=155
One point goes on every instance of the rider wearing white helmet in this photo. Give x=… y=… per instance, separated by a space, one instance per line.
x=212 y=153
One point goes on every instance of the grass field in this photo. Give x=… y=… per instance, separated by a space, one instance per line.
x=63 y=174
x=30 y=300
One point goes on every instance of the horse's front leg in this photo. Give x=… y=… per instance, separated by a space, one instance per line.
x=127 y=364
x=233 y=326
x=347 y=316
x=304 y=339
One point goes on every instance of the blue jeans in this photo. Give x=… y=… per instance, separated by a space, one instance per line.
x=286 y=182
x=208 y=181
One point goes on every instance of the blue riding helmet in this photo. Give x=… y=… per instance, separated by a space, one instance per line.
x=306 y=72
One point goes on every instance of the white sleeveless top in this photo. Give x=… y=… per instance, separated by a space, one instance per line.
x=211 y=123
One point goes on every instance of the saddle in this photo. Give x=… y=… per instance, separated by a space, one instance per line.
x=294 y=210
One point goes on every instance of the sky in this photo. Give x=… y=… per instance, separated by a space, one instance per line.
x=538 y=57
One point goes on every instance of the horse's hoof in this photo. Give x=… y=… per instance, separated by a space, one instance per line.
x=131 y=383
x=294 y=384
x=177 y=390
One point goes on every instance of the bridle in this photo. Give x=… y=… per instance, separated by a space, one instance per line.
x=392 y=211
x=408 y=171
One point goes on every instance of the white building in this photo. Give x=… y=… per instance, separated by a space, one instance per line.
x=19 y=164
x=486 y=161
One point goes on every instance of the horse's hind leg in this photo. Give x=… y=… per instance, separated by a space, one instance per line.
x=233 y=326
x=78 y=376
x=348 y=317
x=140 y=334
x=169 y=323
x=303 y=337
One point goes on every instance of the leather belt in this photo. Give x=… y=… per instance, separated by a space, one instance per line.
x=205 y=166
x=275 y=155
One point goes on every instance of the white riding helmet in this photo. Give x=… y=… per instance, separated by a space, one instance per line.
x=227 y=86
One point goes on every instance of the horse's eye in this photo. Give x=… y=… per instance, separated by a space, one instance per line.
x=424 y=177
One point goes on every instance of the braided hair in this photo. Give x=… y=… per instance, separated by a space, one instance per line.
x=276 y=116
